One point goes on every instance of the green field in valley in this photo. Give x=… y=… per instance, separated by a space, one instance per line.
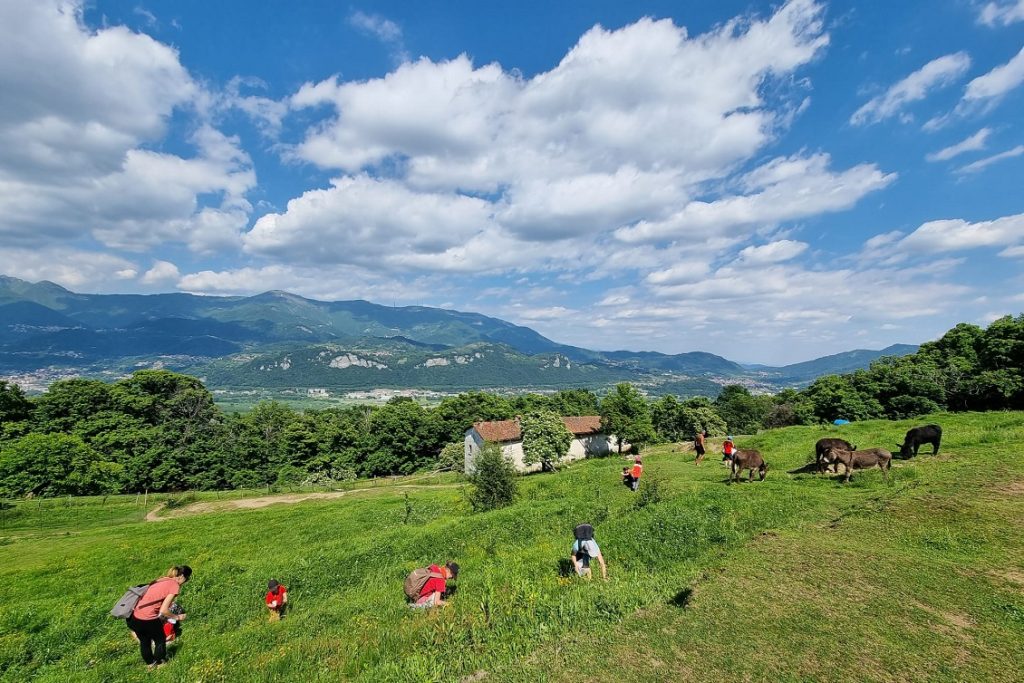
x=797 y=578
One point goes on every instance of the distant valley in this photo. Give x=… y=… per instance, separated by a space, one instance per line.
x=280 y=340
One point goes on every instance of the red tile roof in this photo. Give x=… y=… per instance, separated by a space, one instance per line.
x=499 y=430
x=502 y=431
x=583 y=425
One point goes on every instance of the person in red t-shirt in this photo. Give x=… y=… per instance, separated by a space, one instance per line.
x=154 y=605
x=728 y=448
x=277 y=599
x=172 y=627
x=432 y=594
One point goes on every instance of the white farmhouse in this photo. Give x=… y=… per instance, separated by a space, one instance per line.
x=588 y=439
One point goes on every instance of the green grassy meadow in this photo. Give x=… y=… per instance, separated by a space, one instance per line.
x=797 y=578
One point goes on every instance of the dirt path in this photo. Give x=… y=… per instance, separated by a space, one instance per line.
x=263 y=501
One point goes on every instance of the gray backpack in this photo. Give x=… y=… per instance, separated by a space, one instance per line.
x=129 y=601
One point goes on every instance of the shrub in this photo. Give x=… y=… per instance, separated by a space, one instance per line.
x=649 y=492
x=452 y=458
x=180 y=501
x=493 y=482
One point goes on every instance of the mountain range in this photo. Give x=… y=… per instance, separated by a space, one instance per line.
x=277 y=339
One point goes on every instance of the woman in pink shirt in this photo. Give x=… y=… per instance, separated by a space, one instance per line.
x=146 y=621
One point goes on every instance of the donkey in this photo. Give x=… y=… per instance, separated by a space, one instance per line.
x=746 y=459
x=829 y=442
x=859 y=460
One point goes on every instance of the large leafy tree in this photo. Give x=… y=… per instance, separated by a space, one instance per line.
x=55 y=465
x=15 y=410
x=545 y=438
x=401 y=441
x=575 y=402
x=455 y=414
x=834 y=397
x=626 y=415
x=70 y=403
x=742 y=412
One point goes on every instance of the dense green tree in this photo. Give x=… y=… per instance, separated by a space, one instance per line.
x=400 y=441
x=261 y=439
x=702 y=418
x=70 y=402
x=667 y=419
x=574 y=402
x=14 y=407
x=742 y=412
x=456 y=414
x=626 y=415
x=55 y=465
x=545 y=438
x=834 y=397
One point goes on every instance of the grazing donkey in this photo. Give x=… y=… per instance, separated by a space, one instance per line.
x=917 y=437
x=829 y=442
x=746 y=459
x=859 y=460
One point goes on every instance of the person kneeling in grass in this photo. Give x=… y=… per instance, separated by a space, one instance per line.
x=585 y=548
x=172 y=627
x=277 y=599
x=436 y=586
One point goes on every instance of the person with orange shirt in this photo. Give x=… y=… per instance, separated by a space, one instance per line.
x=728 y=448
x=635 y=472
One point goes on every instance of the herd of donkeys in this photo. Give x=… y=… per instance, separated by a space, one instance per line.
x=835 y=452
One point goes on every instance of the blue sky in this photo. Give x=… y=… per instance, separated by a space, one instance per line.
x=766 y=181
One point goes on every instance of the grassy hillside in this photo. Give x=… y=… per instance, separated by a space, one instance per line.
x=797 y=578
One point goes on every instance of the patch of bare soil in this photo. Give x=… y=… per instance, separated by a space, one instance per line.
x=1015 y=488
x=1010 y=575
x=155 y=515
x=961 y=621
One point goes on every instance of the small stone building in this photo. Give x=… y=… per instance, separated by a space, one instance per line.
x=588 y=439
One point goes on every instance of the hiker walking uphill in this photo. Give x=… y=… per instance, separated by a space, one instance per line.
x=584 y=549
x=698 y=445
x=426 y=587
x=146 y=620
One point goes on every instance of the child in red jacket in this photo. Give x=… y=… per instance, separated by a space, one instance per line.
x=277 y=599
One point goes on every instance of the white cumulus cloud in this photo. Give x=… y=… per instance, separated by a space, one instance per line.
x=162 y=273
x=80 y=109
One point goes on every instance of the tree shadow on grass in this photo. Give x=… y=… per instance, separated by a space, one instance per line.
x=682 y=598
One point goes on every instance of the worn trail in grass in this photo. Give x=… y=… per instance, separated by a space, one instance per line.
x=795 y=578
